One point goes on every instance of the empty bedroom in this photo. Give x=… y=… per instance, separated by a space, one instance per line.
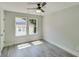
x=39 y=29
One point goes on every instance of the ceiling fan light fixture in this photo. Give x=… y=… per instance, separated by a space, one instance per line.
x=38 y=11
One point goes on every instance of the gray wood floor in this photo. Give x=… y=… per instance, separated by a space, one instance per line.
x=42 y=50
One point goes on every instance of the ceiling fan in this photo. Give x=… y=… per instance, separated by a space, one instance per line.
x=39 y=7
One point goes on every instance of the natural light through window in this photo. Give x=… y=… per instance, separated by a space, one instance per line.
x=22 y=46
x=20 y=26
x=37 y=42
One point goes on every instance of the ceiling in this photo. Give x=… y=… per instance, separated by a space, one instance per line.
x=22 y=6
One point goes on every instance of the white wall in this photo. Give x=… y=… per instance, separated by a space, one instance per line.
x=62 y=29
x=2 y=33
x=10 y=28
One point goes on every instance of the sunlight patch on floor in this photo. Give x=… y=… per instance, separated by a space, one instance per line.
x=37 y=42
x=22 y=46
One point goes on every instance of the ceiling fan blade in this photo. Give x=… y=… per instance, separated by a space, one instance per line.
x=42 y=10
x=43 y=4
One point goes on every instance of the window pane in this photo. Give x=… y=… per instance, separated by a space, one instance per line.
x=33 y=26
x=20 y=26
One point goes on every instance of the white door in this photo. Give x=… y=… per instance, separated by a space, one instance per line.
x=1 y=31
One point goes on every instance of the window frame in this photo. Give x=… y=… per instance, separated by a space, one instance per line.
x=27 y=26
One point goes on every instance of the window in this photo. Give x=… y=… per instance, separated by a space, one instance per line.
x=21 y=26
x=24 y=26
x=33 y=24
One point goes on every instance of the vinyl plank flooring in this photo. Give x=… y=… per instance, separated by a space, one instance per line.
x=40 y=50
